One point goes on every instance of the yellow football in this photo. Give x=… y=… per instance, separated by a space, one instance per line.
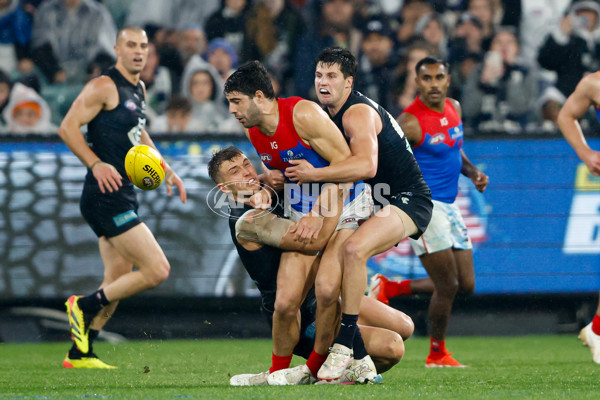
x=145 y=167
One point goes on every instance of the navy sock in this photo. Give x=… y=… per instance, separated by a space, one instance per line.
x=93 y=303
x=359 y=346
x=347 y=330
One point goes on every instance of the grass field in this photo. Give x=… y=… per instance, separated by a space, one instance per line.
x=531 y=367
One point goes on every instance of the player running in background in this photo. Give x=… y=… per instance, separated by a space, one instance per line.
x=586 y=94
x=382 y=157
x=432 y=124
x=282 y=130
x=384 y=328
x=113 y=108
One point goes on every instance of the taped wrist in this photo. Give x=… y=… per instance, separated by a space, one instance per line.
x=265 y=228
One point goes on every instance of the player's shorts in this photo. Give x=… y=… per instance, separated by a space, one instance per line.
x=353 y=213
x=446 y=230
x=109 y=214
x=417 y=205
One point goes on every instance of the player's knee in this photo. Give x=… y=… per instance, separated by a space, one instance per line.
x=159 y=273
x=286 y=307
x=406 y=328
x=391 y=354
x=328 y=293
x=353 y=250
x=448 y=287
x=467 y=287
x=395 y=350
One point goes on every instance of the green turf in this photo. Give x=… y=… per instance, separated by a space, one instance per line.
x=532 y=367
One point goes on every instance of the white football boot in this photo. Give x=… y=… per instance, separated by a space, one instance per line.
x=359 y=371
x=249 y=379
x=299 y=375
x=591 y=340
x=339 y=358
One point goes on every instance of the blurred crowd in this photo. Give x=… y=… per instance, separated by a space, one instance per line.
x=512 y=62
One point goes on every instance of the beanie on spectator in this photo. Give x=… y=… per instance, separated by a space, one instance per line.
x=220 y=43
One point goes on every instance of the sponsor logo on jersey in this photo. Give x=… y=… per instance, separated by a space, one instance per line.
x=288 y=155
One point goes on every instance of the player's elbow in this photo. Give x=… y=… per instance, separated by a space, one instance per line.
x=368 y=168
x=371 y=171
x=62 y=131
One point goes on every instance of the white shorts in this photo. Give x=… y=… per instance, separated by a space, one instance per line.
x=446 y=230
x=359 y=209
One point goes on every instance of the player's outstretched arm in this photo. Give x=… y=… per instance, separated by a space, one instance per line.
x=94 y=97
x=259 y=226
x=574 y=108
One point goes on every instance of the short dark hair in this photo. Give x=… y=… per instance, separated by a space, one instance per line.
x=218 y=158
x=338 y=55
x=431 y=61
x=250 y=77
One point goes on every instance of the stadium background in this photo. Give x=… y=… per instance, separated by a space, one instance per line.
x=536 y=234
x=536 y=230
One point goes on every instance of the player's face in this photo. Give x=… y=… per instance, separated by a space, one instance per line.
x=433 y=81
x=244 y=109
x=239 y=176
x=132 y=50
x=330 y=84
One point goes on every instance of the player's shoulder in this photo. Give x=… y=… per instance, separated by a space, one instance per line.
x=409 y=122
x=101 y=83
x=590 y=81
x=101 y=88
x=306 y=109
x=456 y=104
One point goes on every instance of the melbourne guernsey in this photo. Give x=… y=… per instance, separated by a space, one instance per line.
x=438 y=152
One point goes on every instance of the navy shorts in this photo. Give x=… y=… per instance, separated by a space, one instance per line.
x=417 y=205
x=109 y=214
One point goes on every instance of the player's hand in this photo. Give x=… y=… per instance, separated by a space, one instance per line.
x=273 y=178
x=172 y=179
x=109 y=179
x=300 y=172
x=307 y=228
x=261 y=199
x=592 y=161
x=480 y=180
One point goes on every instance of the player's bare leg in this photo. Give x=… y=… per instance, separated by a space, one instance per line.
x=466 y=271
x=385 y=347
x=374 y=313
x=294 y=280
x=327 y=289
x=443 y=269
x=139 y=247
x=374 y=236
